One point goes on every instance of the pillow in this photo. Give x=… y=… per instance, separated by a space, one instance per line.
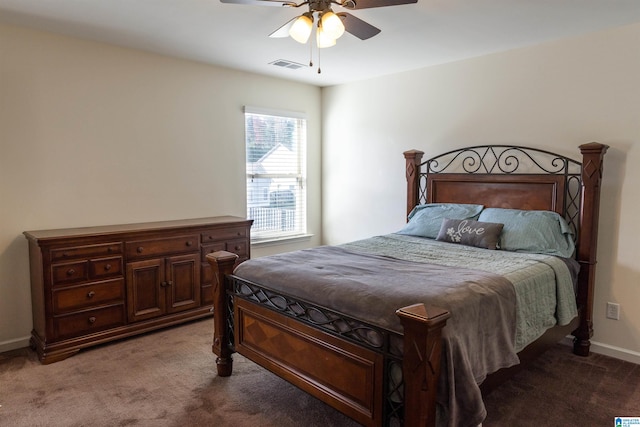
x=539 y=232
x=471 y=233
x=426 y=220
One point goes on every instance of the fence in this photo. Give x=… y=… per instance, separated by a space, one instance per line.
x=272 y=219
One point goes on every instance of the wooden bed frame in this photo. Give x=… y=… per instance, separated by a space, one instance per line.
x=334 y=363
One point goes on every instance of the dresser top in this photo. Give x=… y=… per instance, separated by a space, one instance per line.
x=41 y=235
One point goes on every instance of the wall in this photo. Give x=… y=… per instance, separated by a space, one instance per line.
x=555 y=96
x=93 y=134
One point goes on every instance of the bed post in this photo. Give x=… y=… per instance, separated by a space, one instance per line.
x=592 y=159
x=421 y=362
x=222 y=263
x=413 y=158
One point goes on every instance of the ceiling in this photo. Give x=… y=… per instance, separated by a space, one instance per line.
x=413 y=36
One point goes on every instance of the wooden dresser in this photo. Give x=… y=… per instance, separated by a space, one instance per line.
x=92 y=285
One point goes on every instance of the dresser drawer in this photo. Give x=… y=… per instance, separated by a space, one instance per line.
x=88 y=251
x=147 y=248
x=211 y=248
x=88 y=295
x=224 y=234
x=105 y=267
x=238 y=247
x=89 y=321
x=206 y=272
x=69 y=272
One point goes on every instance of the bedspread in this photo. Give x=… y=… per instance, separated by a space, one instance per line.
x=370 y=279
x=543 y=284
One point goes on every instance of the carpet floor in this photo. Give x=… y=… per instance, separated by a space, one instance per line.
x=168 y=378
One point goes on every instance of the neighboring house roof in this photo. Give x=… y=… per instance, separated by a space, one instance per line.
x=270 y=162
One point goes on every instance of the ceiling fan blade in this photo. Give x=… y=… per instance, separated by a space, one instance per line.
x=278 y=3
x=284 y=30
x=357 y=26
x=368 y=4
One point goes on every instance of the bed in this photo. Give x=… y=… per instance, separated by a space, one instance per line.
x=428 y=362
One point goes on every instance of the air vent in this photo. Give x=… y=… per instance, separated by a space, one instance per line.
x=287 y=64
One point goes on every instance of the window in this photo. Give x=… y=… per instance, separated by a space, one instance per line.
x=276 y=180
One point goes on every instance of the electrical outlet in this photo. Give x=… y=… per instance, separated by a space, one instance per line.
x=613 y=311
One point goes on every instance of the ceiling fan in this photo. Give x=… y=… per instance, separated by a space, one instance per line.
x=330 y=26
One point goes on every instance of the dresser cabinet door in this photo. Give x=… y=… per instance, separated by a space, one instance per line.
x=183 y=282
x=146 y=296
x=164 y=285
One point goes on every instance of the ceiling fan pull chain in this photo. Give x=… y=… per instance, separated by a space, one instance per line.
x=319 y=70
x=310 y=54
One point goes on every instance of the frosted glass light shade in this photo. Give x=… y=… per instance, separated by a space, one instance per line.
x=332 y=25
x=301 y=28
x=323 y=39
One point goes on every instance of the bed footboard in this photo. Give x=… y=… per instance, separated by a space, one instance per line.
x=222 y=263
x=421 y=361
x=357 y=387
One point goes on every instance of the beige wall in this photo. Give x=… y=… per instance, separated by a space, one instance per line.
x=555 y=96
x=94 y=134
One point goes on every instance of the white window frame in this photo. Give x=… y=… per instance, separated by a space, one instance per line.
x=277 y=223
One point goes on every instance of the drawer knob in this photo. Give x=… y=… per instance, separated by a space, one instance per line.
x=107 y=267
x=140 y=249
x=237 y=248
x=92 y=320
x=71 y=272
x=189 y=243
x=91 y=294
x=109 y=249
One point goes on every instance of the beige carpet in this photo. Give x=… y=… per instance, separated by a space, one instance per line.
x=167 y=378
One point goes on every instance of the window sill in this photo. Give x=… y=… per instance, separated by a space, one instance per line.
x=281 y=240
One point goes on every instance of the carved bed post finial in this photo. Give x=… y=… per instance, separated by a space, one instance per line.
x=222 y=263
x=413 y=159
x=421 y=360
x=592 y=160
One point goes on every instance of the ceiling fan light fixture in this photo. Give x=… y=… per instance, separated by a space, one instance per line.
x=323 y=39
x=301 y=28
x=332 y=24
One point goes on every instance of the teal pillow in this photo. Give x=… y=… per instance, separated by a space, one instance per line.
x=539 y=232
x=426 y=220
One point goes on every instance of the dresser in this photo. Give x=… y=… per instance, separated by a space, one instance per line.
x=92 y=285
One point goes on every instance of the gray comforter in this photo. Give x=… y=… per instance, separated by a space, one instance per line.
x=362 y=280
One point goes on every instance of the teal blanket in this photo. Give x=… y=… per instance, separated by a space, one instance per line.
x=543 y=284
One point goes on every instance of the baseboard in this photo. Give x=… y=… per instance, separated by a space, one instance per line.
x=617 y=352
x=596 y=347
x=609 y=350
x=14 y=344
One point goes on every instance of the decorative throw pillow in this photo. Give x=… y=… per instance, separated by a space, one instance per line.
x=425 y=220
x=471 y=233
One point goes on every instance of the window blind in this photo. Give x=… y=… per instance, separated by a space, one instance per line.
x=276 y=179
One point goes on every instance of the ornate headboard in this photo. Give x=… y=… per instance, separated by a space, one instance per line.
x=522 y=178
